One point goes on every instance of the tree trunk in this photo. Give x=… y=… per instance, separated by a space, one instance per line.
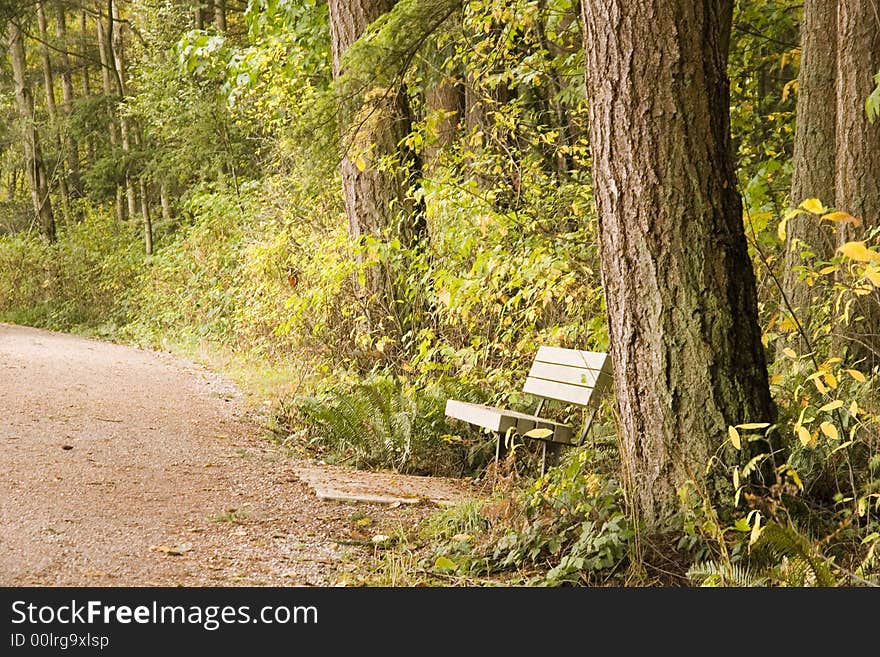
x=107 y=73
x=70 y=145
x=117 y=51
x=145 y=213
x=858 y=155
x=220 y=15
x=679 y=285
x=165 y=202
x=445 y=101
x=36 y=171
x=51 y=107
x=84 y=52
x=375 y=197
x=813 y=163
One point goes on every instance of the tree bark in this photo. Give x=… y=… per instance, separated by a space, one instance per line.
x=35 y=168
x=445 y=100
x=70 y=145
x=374 y=190
x=858 y=156
x=679 y=285
x=51 y=106
x=117 y=58
x=145 y=214
x=814 y=153
x=220 y=15
x=107 y=73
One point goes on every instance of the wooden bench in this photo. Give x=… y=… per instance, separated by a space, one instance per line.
x=567 y=375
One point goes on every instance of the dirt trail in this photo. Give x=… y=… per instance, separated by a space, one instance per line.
x=124 y=467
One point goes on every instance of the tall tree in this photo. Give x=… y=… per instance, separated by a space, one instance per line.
x=814 y=151
x=38 y=180
x=51 y=105
x=108 y=73
x=679 y=285
x=70 y=146
x=374 y=175
x=858 y=153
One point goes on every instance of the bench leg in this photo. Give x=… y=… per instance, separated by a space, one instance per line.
x=549 y=455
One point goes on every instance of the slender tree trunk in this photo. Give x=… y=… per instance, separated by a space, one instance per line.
x=84 y=52
x=107 y=73
x=199 y=15
x=117 y=53
x=858 y=155
x=51 y=107
x=165 y=202
x=814 y=152
x=145 y=213
x=679 y=285
x=220 y=15
x=38 y=181
x=375 y=197
x=70 y=145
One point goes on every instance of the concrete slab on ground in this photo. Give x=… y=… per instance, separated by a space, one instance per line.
x=332 y=482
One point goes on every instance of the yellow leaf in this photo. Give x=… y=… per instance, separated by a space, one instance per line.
x=854 y=409
x=830 y=406
x=813 y=205
x=753 y=425
x=858 y=376
x=756 y=530
x=830 y=379
x=444 y=564
x=829 y=430
x=360 y=163
x=858 y=251
x=780 y=229
x=827 y=270
x=821 y=387
x=791 y=353
x=538 y=433
x=873 y=275
x=804 y=436
x=734 y=437
x=842 y=217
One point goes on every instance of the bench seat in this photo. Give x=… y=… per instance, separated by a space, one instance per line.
x=500 y=420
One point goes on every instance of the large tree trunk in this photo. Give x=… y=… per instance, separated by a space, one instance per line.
x=374 y=191
x=33 y=160
x=51 y=106
x=858 y=155
x=70 y=145
x=679 y=285
x=814 y=153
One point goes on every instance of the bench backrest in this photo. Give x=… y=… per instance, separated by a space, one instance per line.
x=568 y=375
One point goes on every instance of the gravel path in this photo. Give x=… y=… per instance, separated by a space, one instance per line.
x=125 y=467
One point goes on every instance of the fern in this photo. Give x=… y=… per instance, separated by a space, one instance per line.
x=792 y=557
x=714 y=573
x=382 y=422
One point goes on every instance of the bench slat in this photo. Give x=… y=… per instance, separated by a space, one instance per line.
x=576 y=376
x=500 y=420
x=559 y=391
x=593 y=360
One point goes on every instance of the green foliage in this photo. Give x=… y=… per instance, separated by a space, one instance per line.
x=570 y=527
x=80 y=282
x=872 y=102
x=383 y=422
